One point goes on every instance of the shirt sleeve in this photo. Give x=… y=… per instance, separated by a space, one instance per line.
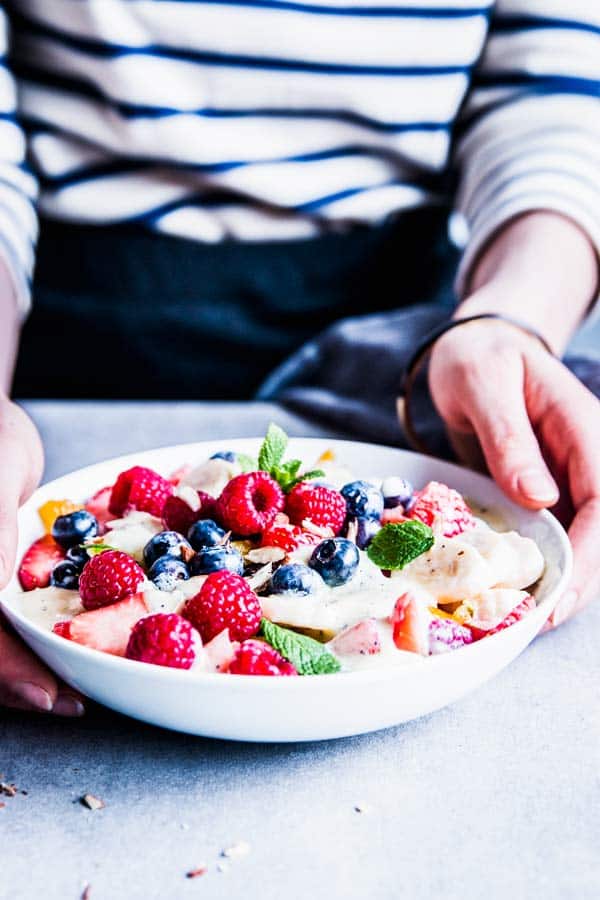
x=18 y=186
x=529 y=133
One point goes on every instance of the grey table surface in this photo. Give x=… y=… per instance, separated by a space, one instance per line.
x=496 y=796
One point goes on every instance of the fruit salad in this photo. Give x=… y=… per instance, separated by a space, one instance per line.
x=268 y=566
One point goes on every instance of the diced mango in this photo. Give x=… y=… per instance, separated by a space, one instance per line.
x=328 y=456
x=442 y=614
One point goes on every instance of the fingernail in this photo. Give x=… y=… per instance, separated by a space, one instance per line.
x=33 y=695
x=536 y=485
x=565 y=608
x=67 y=705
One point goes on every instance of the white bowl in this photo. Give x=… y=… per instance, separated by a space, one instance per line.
x=292 y=709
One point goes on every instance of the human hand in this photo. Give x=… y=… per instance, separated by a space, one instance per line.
x=508 y=403
x=25 y=683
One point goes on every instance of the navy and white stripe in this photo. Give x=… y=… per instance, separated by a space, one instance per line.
x=266 y=119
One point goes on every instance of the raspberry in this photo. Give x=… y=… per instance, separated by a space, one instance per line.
x=249 y=503
x=323 y=506
x=224 y=601
x=164 y=640
x=178 y=516
x=109 y=577
x=142 y=489
x=258 y=658
x=288 y=538
x=437 y=503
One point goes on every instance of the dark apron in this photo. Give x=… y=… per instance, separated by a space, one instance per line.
x=122 y=312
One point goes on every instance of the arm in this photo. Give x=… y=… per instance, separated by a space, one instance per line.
x=530 y=191
x=25 y=682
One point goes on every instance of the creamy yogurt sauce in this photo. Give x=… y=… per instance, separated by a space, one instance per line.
x=482 y=567
x=131 y=533
x=47 y=606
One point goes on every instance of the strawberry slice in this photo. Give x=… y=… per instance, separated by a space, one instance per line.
x=395 y=516
x=441 y=506
x=362 y=638
x=98 y=507
x=220 y=651
x=410 y=624
x=106 y=629
x=518 y=613
x=38 y=562
x=288 y=537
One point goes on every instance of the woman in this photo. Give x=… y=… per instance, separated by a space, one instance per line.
x=218 y=181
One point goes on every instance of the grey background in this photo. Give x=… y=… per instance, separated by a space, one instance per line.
x=497 y=796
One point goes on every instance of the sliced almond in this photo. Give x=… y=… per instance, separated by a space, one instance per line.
x=92 y=802
x=260 y=578
x=317 y=529
x=265 y=555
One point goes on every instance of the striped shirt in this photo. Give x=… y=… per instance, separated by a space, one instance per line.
x=268 y=119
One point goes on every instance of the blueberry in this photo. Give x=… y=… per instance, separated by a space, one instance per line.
x=166 y=543
x=363 y=500
x=78 y=555
x=227 y=455
x=75 y=528
x=336 y=560
x=205 y=533
x=65 y=575
x=295 y=579
x=396 y=492
x=166 y=571
x=212 y=559
x=366 y=529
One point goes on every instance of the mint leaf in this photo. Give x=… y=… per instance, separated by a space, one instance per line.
x=314 y=473
x=285 y=474
x=308 y=656
x=397 y=544
x=246 y=463
x=288 y=482
x=95 y=549
x=273 y=448
x=291 y=467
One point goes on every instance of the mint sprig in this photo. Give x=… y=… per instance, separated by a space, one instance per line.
x=246 y=463
x=397 y=544
x=308 y=656
x=270 y=459
x=273 y=447
x=95 y=549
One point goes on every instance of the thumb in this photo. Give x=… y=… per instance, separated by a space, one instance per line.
x=500 y=420
x=9 y=503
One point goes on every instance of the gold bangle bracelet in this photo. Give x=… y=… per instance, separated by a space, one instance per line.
x=421 y=354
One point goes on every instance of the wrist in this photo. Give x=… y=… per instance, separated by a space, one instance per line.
x=9 y=328
x=541 y=268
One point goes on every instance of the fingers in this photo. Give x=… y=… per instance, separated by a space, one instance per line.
x=9 y=504
x=585 y=583
x=508 y=442
x=21 y=461
x=26 y=683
